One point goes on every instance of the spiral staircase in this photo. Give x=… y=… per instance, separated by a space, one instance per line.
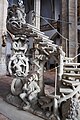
x=69 y=89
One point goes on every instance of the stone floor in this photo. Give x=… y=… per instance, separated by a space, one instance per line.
x=2 y=117
x=13 y=113
x=5 y=82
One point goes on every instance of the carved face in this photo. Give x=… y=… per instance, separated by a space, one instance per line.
x=20 y=2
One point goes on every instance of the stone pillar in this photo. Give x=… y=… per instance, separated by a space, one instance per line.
x=72 y=28
x=78 y=6
x=64 y=25
x=3 y=16
x=37 y=24
x=37 y=12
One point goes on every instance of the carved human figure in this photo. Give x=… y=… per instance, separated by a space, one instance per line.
x=30 y=91
x=20 y=65
x=16 y=16
x=17 y=46
x=21 y=12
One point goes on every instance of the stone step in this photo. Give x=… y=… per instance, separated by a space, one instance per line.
x=71 y=64
x=71 y=75
x=71 y=69
x=14 y=113
x=68 y=58
x=41 y=34
x=45 y=39
x=66 y=90
x=72 y=83
x=37 y=31
x=51 y=96
x=76 y=90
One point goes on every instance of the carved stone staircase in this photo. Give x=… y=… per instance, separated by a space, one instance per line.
x=69 y=90
x=70 y=82
x=41 y=39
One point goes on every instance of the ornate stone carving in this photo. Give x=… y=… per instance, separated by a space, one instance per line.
x=30 y=90
x=16 y=19
x=25 y=85
x=18 y=65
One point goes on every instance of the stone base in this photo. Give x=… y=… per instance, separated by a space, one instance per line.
x=14 y=100
x=36 y=110
x=43 y=114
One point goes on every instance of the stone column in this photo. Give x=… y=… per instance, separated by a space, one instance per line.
x=64 y=24
x=78 y=7
x=3 y=16
x=72 y=28
x=37 y=11
x=37 y=24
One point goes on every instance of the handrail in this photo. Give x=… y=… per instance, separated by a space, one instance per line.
x=67 y=58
